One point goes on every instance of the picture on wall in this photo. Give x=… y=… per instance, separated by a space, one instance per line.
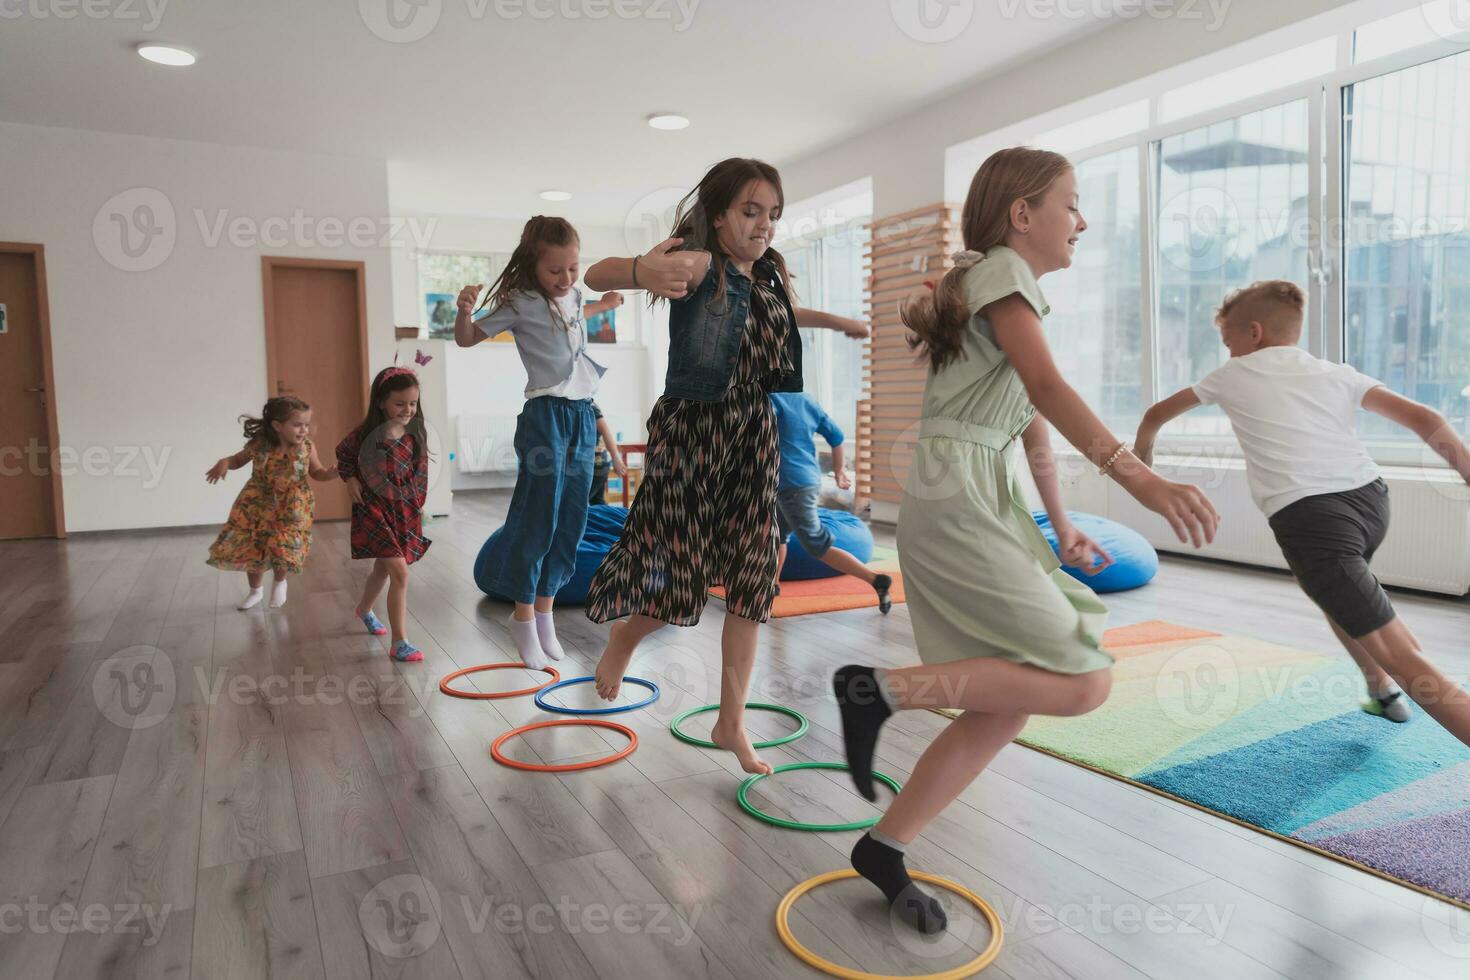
x=602 y=328
x=439 y=313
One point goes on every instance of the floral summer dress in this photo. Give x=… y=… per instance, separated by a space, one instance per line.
x=270 y=524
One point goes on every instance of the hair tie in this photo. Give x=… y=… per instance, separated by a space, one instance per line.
x=965 y=259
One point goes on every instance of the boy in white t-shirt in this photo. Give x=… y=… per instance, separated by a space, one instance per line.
x=1295 y=417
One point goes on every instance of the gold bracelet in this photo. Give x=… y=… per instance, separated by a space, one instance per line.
x=1117 y=455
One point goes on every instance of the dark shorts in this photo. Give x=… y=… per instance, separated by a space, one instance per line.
x=796 y=510
x=1328 y=541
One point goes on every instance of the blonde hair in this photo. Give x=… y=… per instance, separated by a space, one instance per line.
x=1278 y=305
x=1021 y=173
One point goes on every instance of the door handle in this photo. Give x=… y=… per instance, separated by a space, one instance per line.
x=35 y=390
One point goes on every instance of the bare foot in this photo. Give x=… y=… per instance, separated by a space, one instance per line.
x=614 y=662
x=733 y=739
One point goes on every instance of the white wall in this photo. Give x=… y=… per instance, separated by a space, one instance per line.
x=153 y=366
x=488 y=379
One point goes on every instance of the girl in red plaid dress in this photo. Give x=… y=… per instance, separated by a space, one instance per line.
x=385 y=462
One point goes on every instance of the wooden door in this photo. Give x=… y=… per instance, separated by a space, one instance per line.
x=30 y=485
x=316 y=349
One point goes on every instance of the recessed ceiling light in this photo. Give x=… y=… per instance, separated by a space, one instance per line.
x=167 y=54
x=668 y=120
x=556 y=195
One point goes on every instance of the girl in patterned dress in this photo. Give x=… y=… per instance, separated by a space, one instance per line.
x=270 y=524
x=705 y=514
x=385 y=462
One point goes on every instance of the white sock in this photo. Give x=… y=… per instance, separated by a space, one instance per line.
x=546 y=633
x=253 y=599
x=529 y=647
x=278 y=594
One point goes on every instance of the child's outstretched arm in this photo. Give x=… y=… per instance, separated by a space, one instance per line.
x=1424 y=422
x=614 y=454
x=1019 y=334
x=1159 y=416
x=1076 y=548
x=317 y=471
x=672 y=275
x=610 y=300
x=816 y=319
x=217 y=472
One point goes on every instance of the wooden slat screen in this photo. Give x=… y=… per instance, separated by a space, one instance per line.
x=904 y=251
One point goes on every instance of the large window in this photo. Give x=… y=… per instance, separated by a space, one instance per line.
x=1232 y=199
x=1096 y=322
x=1407 y=237
x=828 y=275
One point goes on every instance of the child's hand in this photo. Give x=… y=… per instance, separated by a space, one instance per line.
x=619 y=465
x=466 y=301
x=218 y=471
x=844 y=482
x=354 y=488
x=612 y=299
x=1079 y=551
x=666 y=273
x=857 y=329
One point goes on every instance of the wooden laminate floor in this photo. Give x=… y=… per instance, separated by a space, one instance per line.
x=188 y=790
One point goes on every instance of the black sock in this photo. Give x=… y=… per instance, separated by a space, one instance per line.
x=863 y=713
x=883 y=866
x=881 y=585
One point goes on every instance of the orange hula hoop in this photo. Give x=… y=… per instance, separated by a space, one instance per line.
x=478 y=696
x=495 y=752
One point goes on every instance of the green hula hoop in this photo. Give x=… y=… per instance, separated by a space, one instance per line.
x=745 y=804
x=801 y=728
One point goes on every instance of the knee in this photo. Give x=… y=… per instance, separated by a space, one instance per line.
x=1089 y=691
x=397 y=571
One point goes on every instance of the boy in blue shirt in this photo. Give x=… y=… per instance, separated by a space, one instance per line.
x=799 y=418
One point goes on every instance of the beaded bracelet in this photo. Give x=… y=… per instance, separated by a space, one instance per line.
x=1117 y=455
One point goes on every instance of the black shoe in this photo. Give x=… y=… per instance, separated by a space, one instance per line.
x=881 y=585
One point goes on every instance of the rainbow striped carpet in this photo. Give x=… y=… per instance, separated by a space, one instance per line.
x=1273 y=737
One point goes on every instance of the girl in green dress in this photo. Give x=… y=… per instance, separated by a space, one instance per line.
x=1003 y=631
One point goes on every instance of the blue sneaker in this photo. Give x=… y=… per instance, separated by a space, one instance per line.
x=374 y=624
x=406 y=652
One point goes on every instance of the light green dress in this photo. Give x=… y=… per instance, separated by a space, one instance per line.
x=980 y=578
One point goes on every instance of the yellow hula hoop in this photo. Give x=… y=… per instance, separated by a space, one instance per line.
x=986 y=957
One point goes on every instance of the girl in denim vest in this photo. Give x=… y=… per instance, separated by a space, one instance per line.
x=535 y=298
x=705 y=514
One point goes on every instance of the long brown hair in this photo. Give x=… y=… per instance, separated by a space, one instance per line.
x=278 y=409
x=540 y=233
x=1021 y=173
x=694 y=219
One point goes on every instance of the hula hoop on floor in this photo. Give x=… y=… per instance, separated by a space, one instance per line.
x=496 y=754
x=615 y=710
x=494 y=695
x=748 y=807
x=801 y=728
x=986 y=957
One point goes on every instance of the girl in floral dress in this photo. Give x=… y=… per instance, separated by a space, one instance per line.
x=270 y=524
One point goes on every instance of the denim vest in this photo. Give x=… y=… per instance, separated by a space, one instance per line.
x=705 y=335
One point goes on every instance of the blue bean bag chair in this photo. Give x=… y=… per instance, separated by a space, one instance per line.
x=848 y=533
x=1135 y=562
x=604 y=525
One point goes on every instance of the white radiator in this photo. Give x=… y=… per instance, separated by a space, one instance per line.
x=1428 y=543
x=486 y=443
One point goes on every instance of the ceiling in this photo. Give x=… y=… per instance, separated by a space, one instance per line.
x=478 y=105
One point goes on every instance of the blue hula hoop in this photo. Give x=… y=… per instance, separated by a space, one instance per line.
x=616 y=709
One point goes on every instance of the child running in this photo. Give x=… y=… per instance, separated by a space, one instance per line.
x=705 y=513
x=385 y=462
x=1003 y=631
x=536 y=298
x=269 y=526
x=799 y=419
x=1295 y=417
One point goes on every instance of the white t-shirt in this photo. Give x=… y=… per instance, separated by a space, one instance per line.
x=1295 y=417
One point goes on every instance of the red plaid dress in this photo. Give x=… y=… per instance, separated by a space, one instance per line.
x=395 y=483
